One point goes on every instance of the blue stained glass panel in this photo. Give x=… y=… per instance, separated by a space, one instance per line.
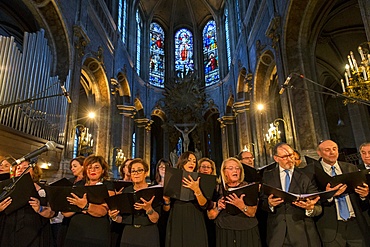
x=184 y=61
x=157 y=58
x=210 y=54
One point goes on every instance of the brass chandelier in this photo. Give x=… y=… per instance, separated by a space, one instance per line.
x=356 y=86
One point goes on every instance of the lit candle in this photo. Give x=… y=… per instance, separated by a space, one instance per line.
x=347 y=69
x=346 y=76
x=354 y=61
x=364 y=72
x=342 y=82
x=361 y=53
x=350 y=62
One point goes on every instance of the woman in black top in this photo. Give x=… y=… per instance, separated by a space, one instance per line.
x=186 y=227
x=240 y=229
x=90 y=227
x=140 y=228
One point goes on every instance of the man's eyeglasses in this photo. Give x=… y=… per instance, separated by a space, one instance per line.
x=285 y=157
x=137 y=171
x=248 y=158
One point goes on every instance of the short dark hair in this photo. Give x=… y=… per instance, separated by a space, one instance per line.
x=140 y=161
x=96 y=159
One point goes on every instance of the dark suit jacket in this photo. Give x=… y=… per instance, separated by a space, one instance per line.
x=288 y=218
x=327 y=222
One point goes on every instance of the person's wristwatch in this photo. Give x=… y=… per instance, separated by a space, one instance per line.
x=150 y=212
x=245 y=209
x=86 y=207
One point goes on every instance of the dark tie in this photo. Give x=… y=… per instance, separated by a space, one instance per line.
x=287 y=180
x=342 y=203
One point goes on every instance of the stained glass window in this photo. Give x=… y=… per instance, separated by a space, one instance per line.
x=227 y=31
x=184 y=61
x=138 y=41
x=122 y=16
x=157 y=60
x=210 y=53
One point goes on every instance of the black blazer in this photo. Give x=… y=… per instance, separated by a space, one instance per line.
x=327 y=222
x=288 y=218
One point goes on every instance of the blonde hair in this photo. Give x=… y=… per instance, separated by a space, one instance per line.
x=211 y=162
x=223 y=166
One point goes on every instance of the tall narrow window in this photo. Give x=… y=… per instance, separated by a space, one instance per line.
x=184 y=61
x=122 y=16
x=210 y=53
x=227 y=31
x=138 y=41
x=237 y=11
x=157 y=60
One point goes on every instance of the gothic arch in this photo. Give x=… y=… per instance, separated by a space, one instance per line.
x=243 y=87
x=124 y=87
x=96 y=87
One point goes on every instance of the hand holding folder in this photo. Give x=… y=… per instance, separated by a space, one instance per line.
x=125 y=202
x=351 y=179
x=57 y=196
x=20 y=190
x=173 y=185
x=289 y=197
x=250 y=192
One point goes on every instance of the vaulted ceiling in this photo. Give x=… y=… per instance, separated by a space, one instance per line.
x=175 y=13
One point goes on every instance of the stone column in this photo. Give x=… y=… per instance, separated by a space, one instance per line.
x=228 y=136
x=142 y=140
x=128 y=113
x=365 y=13
x=243 y=125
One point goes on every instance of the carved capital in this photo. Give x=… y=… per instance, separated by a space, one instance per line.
x=81 y=39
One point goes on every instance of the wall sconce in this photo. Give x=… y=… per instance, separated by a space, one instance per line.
x=120 y=157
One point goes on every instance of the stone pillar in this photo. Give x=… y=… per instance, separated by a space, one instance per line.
x=128 y=113
x=365 y=13
x=142 y=140
x=228 y=136
x=243 y=125
x=360 y=122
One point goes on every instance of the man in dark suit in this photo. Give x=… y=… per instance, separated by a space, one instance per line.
x=342 y=222
x=287 y=222
x=365 y=155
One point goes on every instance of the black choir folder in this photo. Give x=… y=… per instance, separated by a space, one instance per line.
x=61 y=182
x=57 y=196
x=291 y=197
x=252 y=174
x=174 y=189
x=4 y=176
x=351 y=179
x=125 y=202
x=20 y=192
x=119 y=184
x=250 y=199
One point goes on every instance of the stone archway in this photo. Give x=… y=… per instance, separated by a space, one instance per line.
x=96 y=87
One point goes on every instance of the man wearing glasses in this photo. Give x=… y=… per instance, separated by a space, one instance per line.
x=290 y=224
x=246 y=158
x=342 y=222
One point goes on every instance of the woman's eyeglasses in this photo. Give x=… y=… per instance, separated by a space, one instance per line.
x=137 y=171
